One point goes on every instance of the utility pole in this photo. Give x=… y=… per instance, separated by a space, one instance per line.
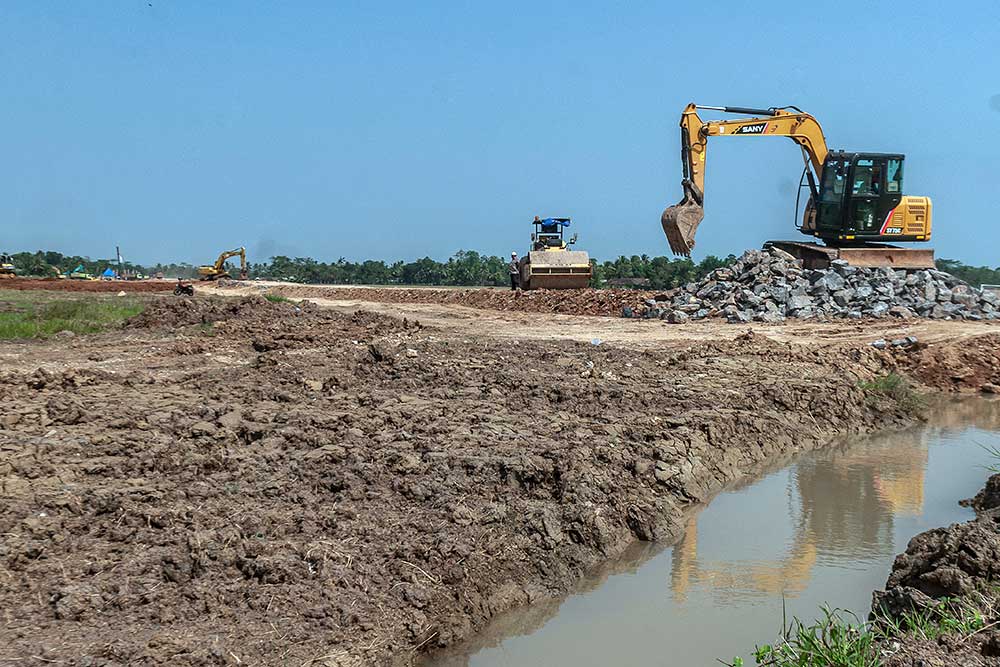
x=118 y=252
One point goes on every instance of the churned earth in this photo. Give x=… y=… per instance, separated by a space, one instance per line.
x=954 y=567
x=239 y=481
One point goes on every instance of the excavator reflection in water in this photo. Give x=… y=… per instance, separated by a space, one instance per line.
x=887 y=477
x=871 y=484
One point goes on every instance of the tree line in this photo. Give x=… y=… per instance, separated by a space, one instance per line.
x=468 y=268
x=464 y=268
x=49 y=264
x=974 y=275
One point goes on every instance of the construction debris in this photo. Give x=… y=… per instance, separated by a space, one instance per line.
x=770 y=285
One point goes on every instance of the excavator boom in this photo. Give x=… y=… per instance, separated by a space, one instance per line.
x=680 y=222
x=218 y=270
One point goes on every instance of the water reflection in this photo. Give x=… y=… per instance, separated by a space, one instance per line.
x=840 y=507
x=822 y=530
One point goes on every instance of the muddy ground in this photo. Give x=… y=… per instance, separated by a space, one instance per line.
x=601 y=302
x=246 y=482
x=957 y=566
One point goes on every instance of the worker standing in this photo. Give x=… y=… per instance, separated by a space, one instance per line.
x=515 y=272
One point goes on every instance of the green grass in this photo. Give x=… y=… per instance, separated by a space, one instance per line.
x=277 y=298
x=947 y=617
x=897 y=388
x=840 y=639
x=994 y=452
x=28 y=315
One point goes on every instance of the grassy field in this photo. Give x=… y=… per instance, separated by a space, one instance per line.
x=40 y=314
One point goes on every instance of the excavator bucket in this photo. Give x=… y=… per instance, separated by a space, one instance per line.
x=680 y=222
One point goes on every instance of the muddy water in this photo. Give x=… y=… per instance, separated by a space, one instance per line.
x=822 y=530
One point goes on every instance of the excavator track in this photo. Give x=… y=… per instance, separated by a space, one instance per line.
x=873 y=255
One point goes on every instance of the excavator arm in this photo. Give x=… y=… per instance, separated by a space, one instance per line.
x=681 y=220
x=218 y=270
x=220 y=264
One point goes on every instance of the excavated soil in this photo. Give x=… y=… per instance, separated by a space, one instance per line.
x=973 y=365
x=67 y=285
x=947 y=565
x=605 y=302
x=247 y=482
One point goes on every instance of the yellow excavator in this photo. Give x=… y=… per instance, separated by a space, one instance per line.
x=7 y=267
x=550 y=264
x=856 y=204
x=218 y=270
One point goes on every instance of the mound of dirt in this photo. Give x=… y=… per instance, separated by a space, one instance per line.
x=988 y=498
x=970 y=365
x=296 y=486
x=250 y=313
x=603 y=302
x=960 y=562
x=943 y=562
x=948 y=651
x=66 y=285
x=184 y=311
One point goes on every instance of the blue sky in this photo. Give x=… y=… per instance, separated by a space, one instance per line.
x=398 y=130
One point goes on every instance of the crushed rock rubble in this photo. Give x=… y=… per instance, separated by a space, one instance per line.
x=770 y=285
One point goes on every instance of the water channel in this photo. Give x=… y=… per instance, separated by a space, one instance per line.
x=824 y=529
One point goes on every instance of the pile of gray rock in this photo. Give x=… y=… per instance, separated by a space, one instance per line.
x=770 y=285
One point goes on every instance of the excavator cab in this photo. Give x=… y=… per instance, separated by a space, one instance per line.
x=860 y=200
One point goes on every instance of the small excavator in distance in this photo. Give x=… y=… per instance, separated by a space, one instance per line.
x=550 y=264
x=218 y=270
x=856 y=204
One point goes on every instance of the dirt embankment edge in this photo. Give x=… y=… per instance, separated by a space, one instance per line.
x=277 y=484
x=949 y=572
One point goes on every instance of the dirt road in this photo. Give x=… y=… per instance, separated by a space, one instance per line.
x=494 y=323
x=236 y=481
